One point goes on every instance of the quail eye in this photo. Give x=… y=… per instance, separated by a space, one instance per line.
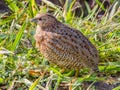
x=40 y=18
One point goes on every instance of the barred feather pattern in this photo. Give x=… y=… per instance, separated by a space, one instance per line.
x=66 y=47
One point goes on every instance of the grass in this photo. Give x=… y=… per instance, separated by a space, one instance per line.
x=22 y=66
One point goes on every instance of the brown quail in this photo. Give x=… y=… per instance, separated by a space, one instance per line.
x=64 y=46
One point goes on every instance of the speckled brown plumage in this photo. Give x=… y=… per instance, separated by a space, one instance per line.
x=64 y=46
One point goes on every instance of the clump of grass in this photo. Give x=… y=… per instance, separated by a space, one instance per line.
x=19 y=59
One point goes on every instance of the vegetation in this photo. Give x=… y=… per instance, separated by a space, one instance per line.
x=23 y=67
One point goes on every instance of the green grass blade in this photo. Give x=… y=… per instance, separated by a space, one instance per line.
x=100 y=4
x=57 y=83
x=68 y=14
x=13 y=5
x=22 y=13
x=34 y=84
x=113 y=10
x=18 y=37
x=51 y=4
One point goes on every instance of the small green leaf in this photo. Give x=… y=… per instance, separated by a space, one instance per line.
x=1 y=80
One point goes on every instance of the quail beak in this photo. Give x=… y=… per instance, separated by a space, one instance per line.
x=34 y=20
